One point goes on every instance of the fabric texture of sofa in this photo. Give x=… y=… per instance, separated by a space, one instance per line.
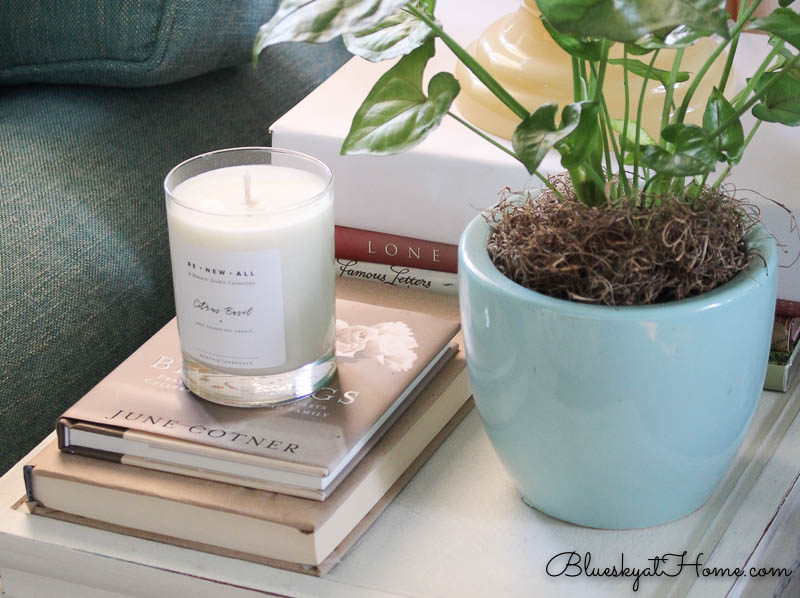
x=85 y=259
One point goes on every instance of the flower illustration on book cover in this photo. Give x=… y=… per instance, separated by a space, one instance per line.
x=389 y=343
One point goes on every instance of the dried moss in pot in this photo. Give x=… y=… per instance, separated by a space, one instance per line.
x=622 y=253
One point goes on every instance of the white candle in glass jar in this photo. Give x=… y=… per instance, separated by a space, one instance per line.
x=252 y=252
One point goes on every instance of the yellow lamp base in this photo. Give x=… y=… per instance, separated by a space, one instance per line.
x=521 y=55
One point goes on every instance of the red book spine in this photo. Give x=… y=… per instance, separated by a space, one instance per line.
x=785 y=307
x=394 y=250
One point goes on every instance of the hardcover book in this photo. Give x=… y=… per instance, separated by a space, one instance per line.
x=398 y=276
x=787 y=307
x=785 y=333
x=783 y=361
x=141 y=414
x=782 y=369
x=395 y=250
x=275 y=529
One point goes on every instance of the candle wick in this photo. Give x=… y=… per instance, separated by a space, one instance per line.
x=248 y=195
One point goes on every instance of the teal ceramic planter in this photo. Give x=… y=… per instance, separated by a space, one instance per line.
x=615 y=417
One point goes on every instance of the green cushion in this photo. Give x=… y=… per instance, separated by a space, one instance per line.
x=130 y=43
x=84 y=253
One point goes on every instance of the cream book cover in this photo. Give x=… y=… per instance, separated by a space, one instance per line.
x=275 y=529
x=142 y=408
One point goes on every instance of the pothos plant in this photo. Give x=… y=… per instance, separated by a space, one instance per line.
x=678 y=160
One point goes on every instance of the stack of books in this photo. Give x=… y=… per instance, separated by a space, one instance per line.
x=783 y=361
x=291 y=486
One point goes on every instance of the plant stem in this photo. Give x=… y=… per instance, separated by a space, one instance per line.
x=637 y=135
x=601 y=74
x=737 y=28
x=577 y=88
x=599 y=99
x=751 y=84
x=728 y=167
x=676 y=65
x=623 y=139
x=483 y=135
x=598 y=180
x=606 y=119
x=585 y=77
x=502 y=147
x=726 y=72
x=756 y=97
x=473 y=65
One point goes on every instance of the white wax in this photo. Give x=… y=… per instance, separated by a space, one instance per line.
x=248 y=224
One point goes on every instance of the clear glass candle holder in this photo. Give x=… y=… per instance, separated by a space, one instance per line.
x=252 y=248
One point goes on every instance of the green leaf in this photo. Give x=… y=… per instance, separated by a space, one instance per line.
x=588 y=186
x=661 y=184
x=322 y=20
x=537 y=134
x=695 y=188
x=392 y=37
x=692 y=153
x=637 y=50
x=785 y=3
x=782 y=101
x=618 y=125
x=574 y=46
x=396 y=114
x=781 y=22
x=785 y=53
x=677 y=37
x=577 y=147
x=633 y=20
x=730 y=141
x=637 y=67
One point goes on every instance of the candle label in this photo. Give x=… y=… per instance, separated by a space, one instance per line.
x=229 y=305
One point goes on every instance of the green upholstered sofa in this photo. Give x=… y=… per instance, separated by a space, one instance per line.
x=99 y=99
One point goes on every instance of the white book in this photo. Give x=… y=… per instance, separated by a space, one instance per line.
x=398 y=276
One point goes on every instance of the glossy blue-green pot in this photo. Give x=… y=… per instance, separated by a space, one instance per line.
x=615 y=417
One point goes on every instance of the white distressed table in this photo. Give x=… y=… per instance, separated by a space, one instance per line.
x=458 y=529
